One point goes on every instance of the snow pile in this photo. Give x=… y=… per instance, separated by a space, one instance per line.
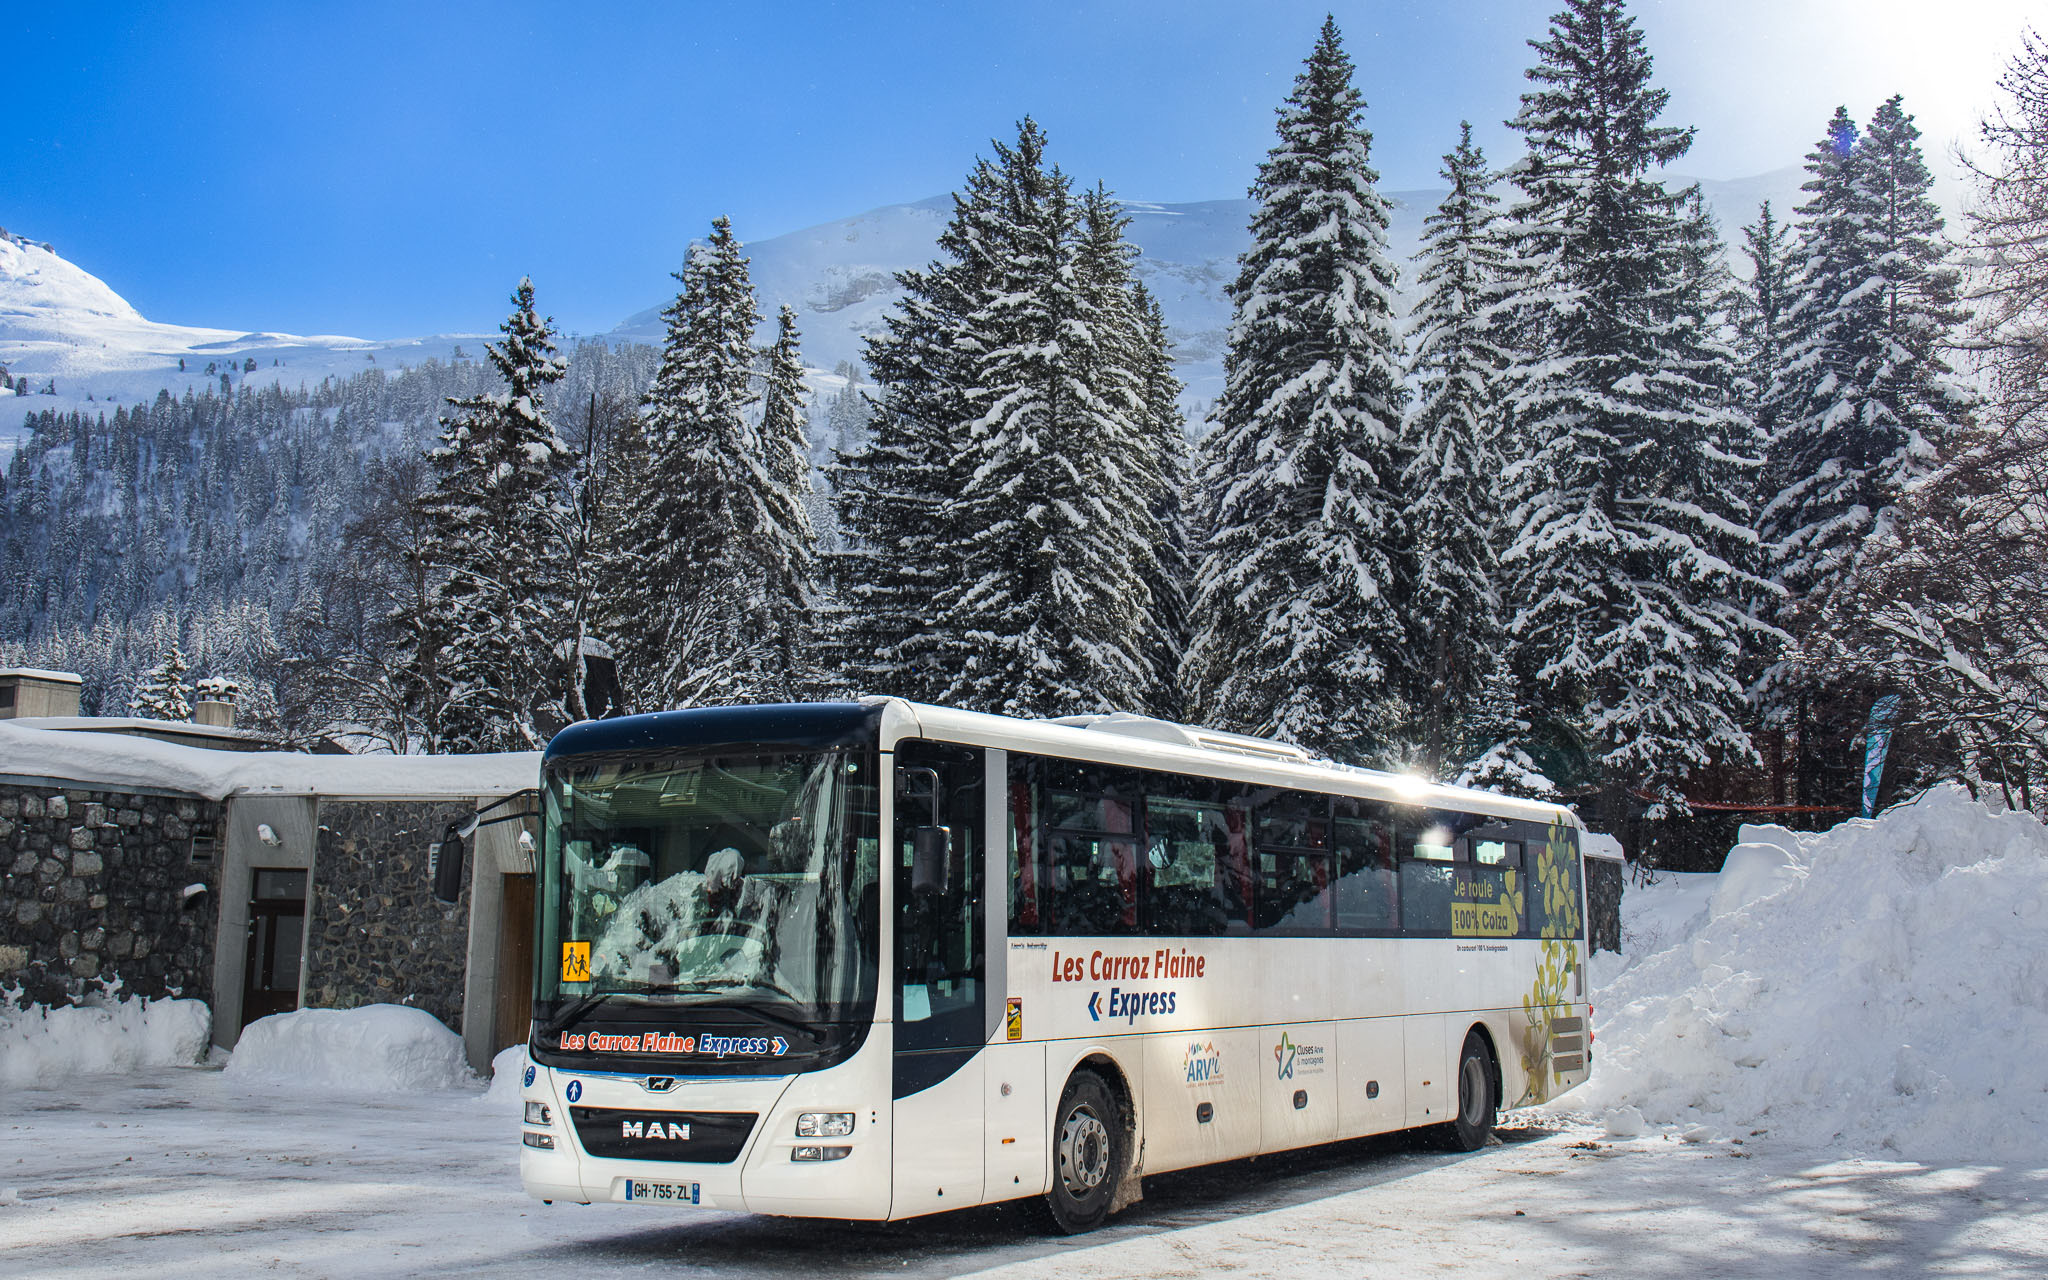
x=1882 y=987
x=45 y=1046
x=374 y=1049
x=508 y=1079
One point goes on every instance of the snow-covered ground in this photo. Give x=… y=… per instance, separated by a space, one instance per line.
x=186 y=1172
x=1755 y=1110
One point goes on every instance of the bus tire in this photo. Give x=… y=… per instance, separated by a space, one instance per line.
x=1478 y=1101
x=1088 y=1154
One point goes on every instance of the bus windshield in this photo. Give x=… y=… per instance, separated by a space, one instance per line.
x=733 y=880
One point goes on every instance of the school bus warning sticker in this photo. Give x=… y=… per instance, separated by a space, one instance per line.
x=575 y=962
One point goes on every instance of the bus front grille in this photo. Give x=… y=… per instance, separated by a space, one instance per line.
x=698 y=1137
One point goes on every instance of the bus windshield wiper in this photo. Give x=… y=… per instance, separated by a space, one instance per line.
x=584 y=1004
x=782 y=1020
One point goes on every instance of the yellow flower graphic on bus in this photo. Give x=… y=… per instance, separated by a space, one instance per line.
x=1556 y=890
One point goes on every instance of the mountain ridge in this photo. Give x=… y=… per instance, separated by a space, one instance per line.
x=61 y=323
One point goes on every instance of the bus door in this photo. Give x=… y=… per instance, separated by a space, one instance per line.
x=942 y=1013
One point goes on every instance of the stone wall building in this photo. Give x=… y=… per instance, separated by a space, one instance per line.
x=262 y=881
x=103 y=886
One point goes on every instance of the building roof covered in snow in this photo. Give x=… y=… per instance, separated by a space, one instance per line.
x=119 y=760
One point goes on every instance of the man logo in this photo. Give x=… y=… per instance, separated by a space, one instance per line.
x=660 y=1084
x=654 y=1129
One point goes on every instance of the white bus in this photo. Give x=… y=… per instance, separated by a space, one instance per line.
x=880 y=959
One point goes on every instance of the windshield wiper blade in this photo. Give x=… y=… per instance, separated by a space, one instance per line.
x=584 y=1004
x=782 y=1020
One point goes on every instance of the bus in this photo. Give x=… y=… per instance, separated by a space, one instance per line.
x=878 y=959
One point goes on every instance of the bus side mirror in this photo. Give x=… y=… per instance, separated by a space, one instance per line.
x=931 y=860
x=448 y=867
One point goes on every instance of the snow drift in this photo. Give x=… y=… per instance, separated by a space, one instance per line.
x=508 y=1082
x=1879 y=987
x=373 y=1049
x=45 y=1046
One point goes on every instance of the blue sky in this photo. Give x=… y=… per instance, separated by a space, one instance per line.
x=392 y=170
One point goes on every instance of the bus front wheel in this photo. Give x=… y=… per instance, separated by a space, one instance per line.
x=1477 y=1104
x=1088 y=1154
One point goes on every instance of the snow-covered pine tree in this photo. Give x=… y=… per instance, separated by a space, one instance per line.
x=160 y=693
x=1760 y=309
x=1165 y=430
x=1629 y=461
x=1048 y=614
x=1451 y=445
x=493 y=507
x=1867 y=403
x=791 y=575
x=1127 y=364
x=1298 y=633
x=600 y=491
x=890 y=488
x=721 y=545
x=2009 y=226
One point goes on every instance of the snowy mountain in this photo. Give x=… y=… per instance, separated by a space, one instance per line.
x=60 y=323
x=840 y=275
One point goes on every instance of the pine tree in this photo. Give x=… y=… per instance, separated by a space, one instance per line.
x=1047 y=618
x=2009 y=226
x=494 y=513
x=999 y=520
x=1452 y=446
x=1171 y=573
x=1760 y=309
x=889 y=491
x=1298 y=634
x=602 y=490
x=1141 y=460
x=721 y=548
x=160 y=694
x=1868 y=404
x=791 y=574
x=1629 y=461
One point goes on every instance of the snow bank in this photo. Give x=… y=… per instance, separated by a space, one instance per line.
x=374 y=1049
x=1881 y=987
x=44 y=1046
x=508 y=1079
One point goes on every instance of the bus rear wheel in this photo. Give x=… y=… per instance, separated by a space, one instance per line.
x=1478 y=1106
x=1088 y=1154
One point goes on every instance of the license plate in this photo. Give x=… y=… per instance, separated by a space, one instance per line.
x=671 y=1192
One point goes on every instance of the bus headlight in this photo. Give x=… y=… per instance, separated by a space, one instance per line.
x=820 y=1153
x=538 y=1141
x=824 y=1124
x=537 y=1113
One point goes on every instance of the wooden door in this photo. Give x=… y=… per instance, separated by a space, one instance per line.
x=514 y=1013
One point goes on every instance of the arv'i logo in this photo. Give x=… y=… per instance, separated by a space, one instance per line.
x=1283 y=1056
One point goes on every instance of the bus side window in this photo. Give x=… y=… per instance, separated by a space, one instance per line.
x=1293 y=885
x=1427 y=874
x=1025 y=891
x=1193 y=891
x=1093 y=860
x=1489 y=885
x=1364 y=841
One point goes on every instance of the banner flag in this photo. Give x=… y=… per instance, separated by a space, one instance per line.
x=1882 y=713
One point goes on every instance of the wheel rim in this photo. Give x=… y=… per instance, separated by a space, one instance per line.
x=1472 y=1092
x=1084 y=1151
